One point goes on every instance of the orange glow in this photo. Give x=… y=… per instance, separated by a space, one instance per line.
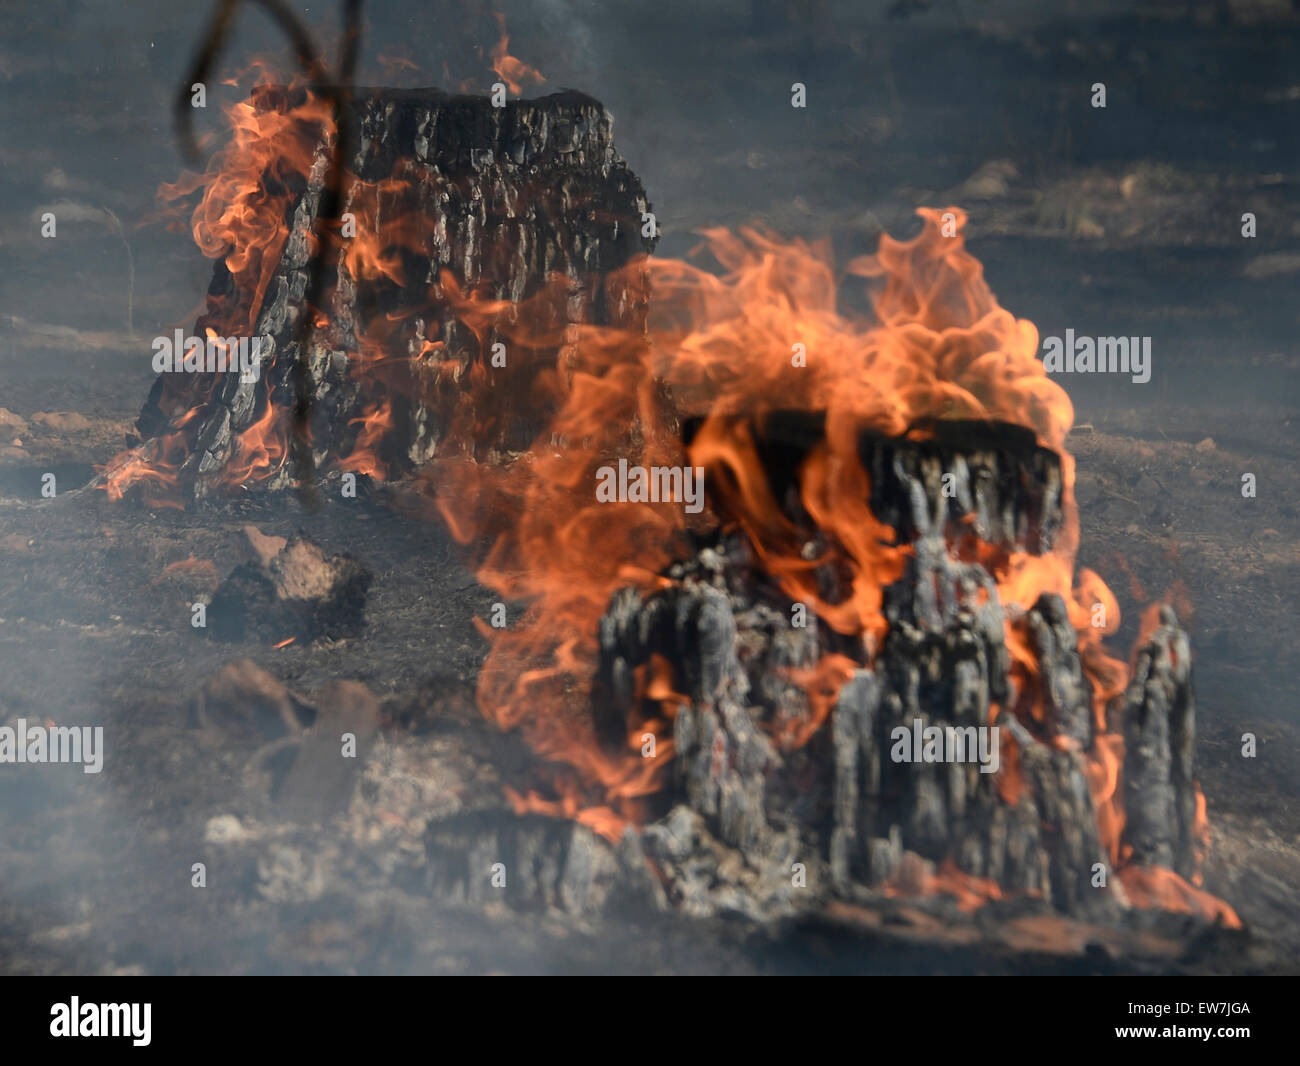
x=375 y=424
x=511 y=70
x=1154 y=886
x=193 y=567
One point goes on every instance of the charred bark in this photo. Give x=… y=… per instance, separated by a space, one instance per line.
x=871 y=820
x=503 y=200
x=956 y=479
x=1159 y=752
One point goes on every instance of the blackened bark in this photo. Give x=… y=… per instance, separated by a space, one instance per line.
x=513 y=196
x=872 y=821
x=1159 y=750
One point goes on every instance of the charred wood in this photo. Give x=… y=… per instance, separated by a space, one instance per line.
x=503 y=199
x=297 y=592
x=1159 y=751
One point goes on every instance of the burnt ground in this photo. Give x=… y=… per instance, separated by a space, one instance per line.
x=98 y=868
x=1122 y=222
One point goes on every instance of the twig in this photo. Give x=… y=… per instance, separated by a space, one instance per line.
x=1119 y=496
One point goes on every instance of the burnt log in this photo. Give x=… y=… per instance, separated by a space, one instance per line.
x=503 y=200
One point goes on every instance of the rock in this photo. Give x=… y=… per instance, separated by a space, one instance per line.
x=263 y=549
x=323 y=777
x=1272 y=265
x=243 y=700
x=991 y=181
x=11 y=423
x=1088 y=229
x=63 y=421
x=286 y=874
x=1262 y=12
x=297 y=592
x=225 y=829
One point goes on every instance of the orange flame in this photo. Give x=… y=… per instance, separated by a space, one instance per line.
x=250 y=186
x=261 y=449
x=375 y=424
x=721 y=345
x=153 y=466
x=512 y=71
x=242 y=216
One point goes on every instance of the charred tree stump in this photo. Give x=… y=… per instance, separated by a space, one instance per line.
x=871 y=820
x=1159 y=750
x=530 y=862
x=502 y=199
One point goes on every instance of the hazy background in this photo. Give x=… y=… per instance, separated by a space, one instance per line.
x=902 y=110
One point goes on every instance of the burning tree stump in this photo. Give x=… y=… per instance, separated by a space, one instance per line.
x=450 y=198
x=834 y=798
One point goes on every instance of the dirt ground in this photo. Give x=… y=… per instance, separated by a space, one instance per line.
x=97 y=868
